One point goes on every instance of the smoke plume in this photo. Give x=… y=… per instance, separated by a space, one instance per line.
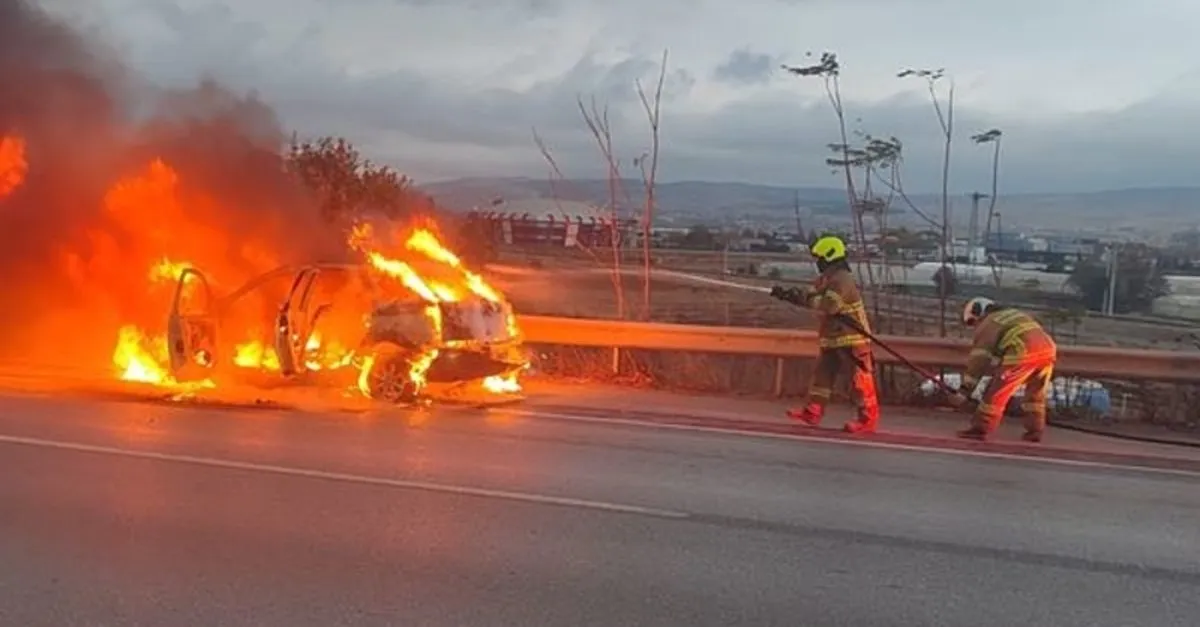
x=95 y=197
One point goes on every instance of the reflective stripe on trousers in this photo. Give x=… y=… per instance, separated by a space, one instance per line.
x=1035 y=375
x=853 y=362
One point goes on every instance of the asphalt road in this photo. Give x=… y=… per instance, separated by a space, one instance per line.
x=127 y=514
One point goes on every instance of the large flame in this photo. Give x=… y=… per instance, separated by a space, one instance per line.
x=168 y=231
x=156 y=222
x=450 y=286
x=149 y=203
x=102 y=212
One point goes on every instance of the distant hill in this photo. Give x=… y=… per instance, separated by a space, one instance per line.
x=1154 y=209
x=696 y=200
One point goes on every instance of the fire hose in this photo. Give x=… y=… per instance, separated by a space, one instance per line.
x=971 y=404
x=853 y=324
x=937 y=381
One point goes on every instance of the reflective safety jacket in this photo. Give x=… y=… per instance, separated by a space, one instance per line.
x=1007 y=337
x=835 y=293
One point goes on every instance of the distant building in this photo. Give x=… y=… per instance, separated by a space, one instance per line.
x=549 y=222
x=747 y=243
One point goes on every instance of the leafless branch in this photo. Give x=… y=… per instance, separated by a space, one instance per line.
x=946 y=121
x=556 y=177
x=895 y=185
x=597 y=122
x=652 y=108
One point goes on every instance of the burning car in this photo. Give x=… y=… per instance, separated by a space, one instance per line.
x=385 y=327
x=408 y=344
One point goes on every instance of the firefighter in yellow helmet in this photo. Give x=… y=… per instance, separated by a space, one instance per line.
x=844 y=351
x=1015 y=350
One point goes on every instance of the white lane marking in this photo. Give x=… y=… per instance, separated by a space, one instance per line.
x=863 y=442
x=228 y=464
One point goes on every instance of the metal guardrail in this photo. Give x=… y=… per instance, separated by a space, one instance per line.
x=1084 y=361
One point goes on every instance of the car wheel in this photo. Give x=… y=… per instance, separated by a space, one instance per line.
x=390 y=378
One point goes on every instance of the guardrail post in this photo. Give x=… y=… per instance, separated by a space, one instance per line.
x=778 y=376
x=616 y=360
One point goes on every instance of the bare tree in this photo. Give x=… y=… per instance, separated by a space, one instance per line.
x=596 y=118
x=652 y=106
x=945 y=116
x=993 y=137
x=828 y=69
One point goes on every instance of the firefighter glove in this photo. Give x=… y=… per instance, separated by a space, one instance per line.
x=793 y=295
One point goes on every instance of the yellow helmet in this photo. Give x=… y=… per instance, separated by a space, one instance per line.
x=828 y=248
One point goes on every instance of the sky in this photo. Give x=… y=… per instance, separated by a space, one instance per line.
x=1090 y=94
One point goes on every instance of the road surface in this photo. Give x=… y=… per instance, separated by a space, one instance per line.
x=134 y=514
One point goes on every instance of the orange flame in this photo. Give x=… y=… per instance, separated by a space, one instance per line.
x=139 y=358
x=364 y=375
x=149 y=203
x=405 y=273
x=167 y=270
x=506 y=384
x=13 y=166
x=442 y=289
x=255 y=354
x=420 y=366
x=322 y=355
x=425 y=242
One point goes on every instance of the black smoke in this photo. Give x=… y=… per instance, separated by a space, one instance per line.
x=87 y=121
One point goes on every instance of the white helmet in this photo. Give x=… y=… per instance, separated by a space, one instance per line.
x=975 y=310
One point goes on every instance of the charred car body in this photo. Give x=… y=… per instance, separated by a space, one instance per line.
x=340 y=324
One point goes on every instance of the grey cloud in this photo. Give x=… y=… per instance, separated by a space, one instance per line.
x=747 y=67
x=319 y=98
x=400 y=116
x=533 y=6
x=495 y=118
x=784 y=142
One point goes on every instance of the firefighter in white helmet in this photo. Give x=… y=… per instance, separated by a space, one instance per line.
x=844 y=350
x=1014 y=348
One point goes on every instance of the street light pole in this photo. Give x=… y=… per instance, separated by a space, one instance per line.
x=1110 y=300
x=973 y=228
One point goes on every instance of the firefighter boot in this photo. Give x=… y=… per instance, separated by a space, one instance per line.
x=865 y=423
x=810 y=414
x=973 y=433
x=1032 y=436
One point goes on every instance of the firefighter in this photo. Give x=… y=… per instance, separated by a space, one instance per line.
x=1011 y=346
x=844 y=351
